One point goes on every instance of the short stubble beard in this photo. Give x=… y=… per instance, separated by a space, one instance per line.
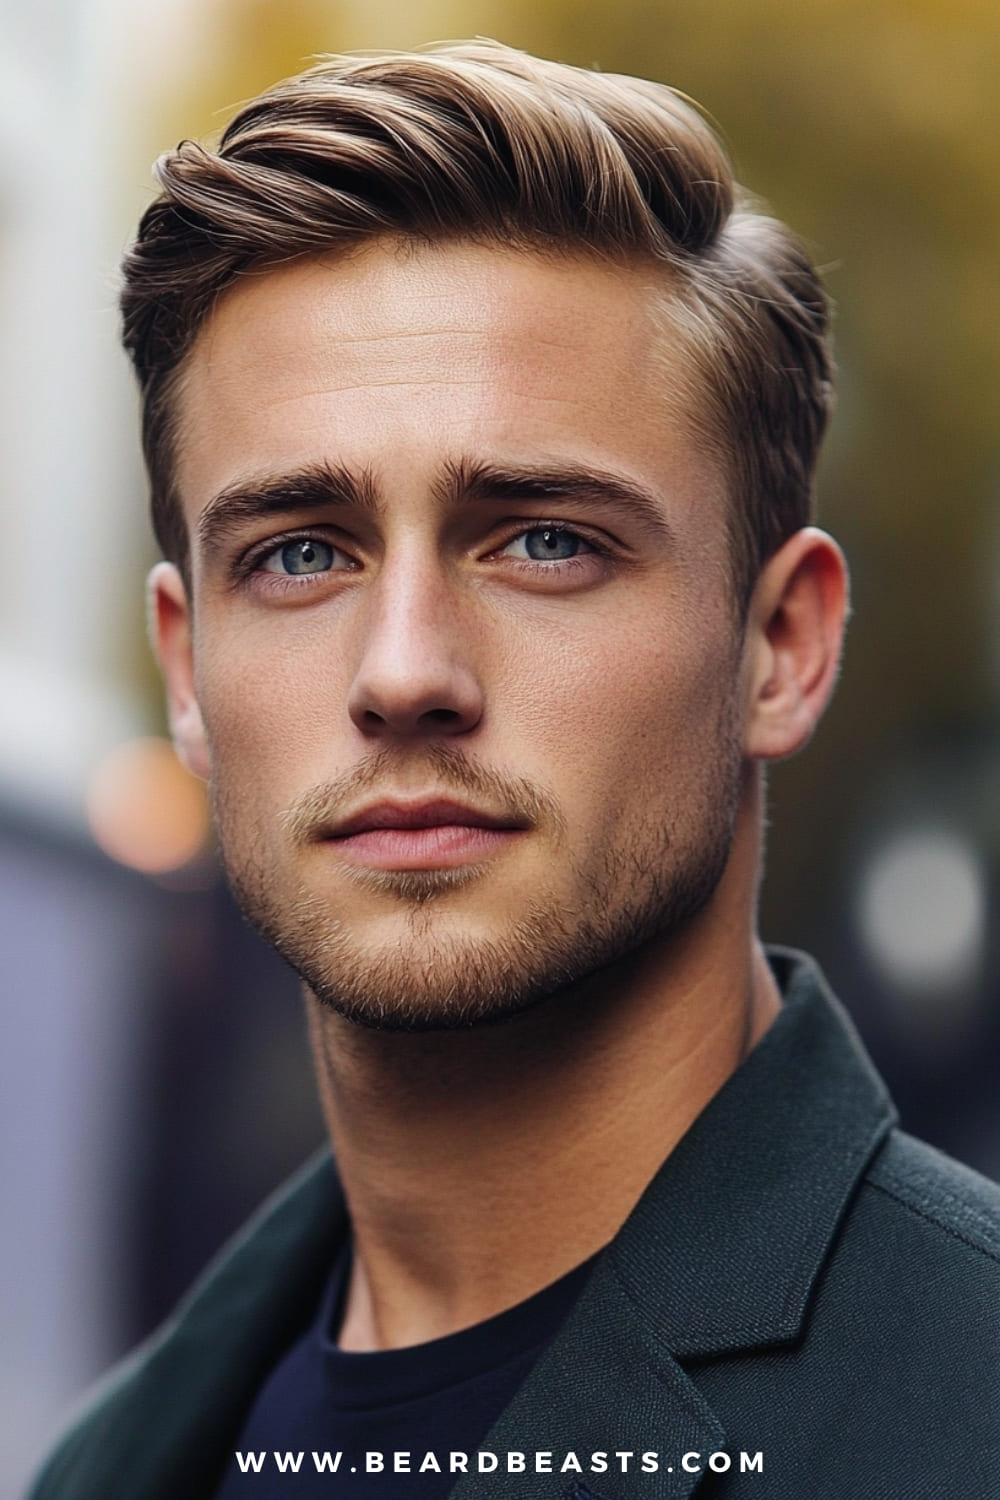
x=643 y=890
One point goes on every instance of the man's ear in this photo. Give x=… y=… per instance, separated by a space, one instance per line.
x=795 y=630
x=171 y=634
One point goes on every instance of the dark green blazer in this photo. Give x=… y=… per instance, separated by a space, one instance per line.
x=799 y=1281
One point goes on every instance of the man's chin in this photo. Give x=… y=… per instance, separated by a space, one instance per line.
x=430 y=981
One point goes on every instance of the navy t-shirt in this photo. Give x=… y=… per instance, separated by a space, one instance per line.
x=393 y=1425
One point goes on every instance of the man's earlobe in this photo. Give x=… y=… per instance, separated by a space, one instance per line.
x=795 y=632
x=169 y=614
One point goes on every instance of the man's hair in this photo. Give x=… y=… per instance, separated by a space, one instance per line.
x=479 y=142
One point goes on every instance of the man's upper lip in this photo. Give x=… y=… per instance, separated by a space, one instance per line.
x=436 y=812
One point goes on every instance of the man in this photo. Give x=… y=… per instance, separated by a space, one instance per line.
x=481 y=409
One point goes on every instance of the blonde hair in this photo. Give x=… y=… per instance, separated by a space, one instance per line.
x=478 y=141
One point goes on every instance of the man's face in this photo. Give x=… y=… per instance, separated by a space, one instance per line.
x=462 y=637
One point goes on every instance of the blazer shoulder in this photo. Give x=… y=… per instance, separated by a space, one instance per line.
x=950 y=1199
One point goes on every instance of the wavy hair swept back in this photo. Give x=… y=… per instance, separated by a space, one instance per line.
x=478 y=141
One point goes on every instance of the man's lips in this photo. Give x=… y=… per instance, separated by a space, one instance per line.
x=439 y=813
x=427 y=835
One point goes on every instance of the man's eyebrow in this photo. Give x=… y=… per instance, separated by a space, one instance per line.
x=309 y=488
x=317 y=486
x=579 y=483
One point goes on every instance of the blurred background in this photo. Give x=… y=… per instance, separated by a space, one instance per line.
x=154 y=1081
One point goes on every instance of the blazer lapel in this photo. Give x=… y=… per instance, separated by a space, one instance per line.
x=606 y=1387
x=719 y=1257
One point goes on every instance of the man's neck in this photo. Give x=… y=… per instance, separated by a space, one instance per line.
x=481 y=1165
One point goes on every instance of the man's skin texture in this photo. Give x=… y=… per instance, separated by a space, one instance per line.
x=515 y=605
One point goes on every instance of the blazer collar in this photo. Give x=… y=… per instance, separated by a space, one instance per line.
x=720 y=1254
x=723 y=1248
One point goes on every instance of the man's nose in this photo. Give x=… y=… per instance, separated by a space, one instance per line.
x=415 y=676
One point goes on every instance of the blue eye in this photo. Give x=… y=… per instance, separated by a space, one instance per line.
x=304 y=555
x=548 y=544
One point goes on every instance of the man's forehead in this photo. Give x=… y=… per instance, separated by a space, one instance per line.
x=357 y=349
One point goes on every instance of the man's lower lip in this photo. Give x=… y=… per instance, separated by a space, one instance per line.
x=435 y=848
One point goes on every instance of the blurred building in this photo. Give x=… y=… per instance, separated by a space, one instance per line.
x=72 y=932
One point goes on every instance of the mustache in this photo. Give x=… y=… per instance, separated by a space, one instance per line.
x=311 y=815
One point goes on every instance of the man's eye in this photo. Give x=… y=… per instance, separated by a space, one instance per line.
x=547 y=544
x=304 y=555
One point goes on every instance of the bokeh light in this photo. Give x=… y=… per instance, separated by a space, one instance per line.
x=146 y=810
x=922 y=909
